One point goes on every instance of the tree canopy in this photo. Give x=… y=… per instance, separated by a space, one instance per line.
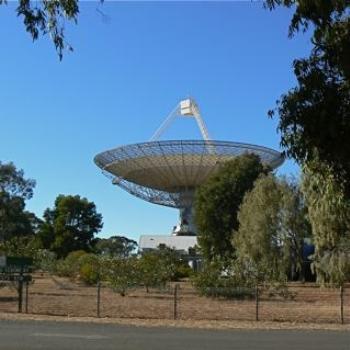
x=314 y=116
x=314 y=121
x=272 y=228
x=70 y=225
x=217 y=202
x=329 y=212
x=15 y=221
x=48 y=17
x=115 y=246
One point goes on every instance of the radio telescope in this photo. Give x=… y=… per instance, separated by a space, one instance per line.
x=168 y=172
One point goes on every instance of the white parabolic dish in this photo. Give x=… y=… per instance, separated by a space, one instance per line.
x=168 y=172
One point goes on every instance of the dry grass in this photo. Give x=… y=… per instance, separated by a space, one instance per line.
x=307 y=304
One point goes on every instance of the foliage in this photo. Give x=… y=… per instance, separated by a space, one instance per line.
x=70 y=225
x=115 y=246
x=89 y=268
x=19 y=246
x=48 y=17
x=69 y=267
x=314 y=116
x=330 y=23
x=294 y=225
x=12 y=181
x=80 y=265
x=315 y=127
x=45 y=260
x=183 y=270
x=152 y=272
x=272 y=230
x=27 y=246
x=217 y=280
x=217 y=202
x=157 y=267
x=176 y=266
x=15 y=221
x=329 y=212
x=122 y=274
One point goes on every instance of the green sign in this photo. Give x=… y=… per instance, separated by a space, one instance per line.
x=15 y=264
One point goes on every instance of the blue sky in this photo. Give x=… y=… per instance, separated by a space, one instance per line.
x=123 y=78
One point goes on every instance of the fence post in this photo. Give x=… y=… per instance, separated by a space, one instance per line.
x=341 y=304
x=257 y=303
x=20 y=293
x=27 y=295
x=98 y=298
x=175 y=300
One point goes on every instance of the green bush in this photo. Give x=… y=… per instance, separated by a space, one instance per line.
x=215 y=281
x=182 y=270
x=89 y=268
x=45 y=260
x=69 y=267
x=153 y=271
x=122 y=274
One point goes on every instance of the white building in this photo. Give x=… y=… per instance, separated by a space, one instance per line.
x=179 y=243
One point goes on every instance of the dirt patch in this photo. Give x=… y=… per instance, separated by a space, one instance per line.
x=61 y=297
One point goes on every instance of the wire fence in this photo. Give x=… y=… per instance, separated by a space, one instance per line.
x=51 y=295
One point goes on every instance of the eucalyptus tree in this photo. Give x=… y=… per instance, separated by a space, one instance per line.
x=329 y=212
x=217 y=203
x=272 y=228
x=15 y=190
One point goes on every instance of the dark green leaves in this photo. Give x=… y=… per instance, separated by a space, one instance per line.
x=48 y=17
x=217 y=203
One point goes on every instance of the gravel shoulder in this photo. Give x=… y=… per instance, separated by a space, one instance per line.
x=189 y=324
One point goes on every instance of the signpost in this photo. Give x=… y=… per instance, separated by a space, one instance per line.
x=16 y=269
x=2 y=261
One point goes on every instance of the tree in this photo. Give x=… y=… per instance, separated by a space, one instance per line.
x=13 y=183
x=217 y=202
x=69 y=266
x=329 y=212
x=294 y=225
x=272 y=229
x=152 y=271
x=315 y=127
x=90 y=268
x=115 y=246
x=314 y=116
x=70 y=225
x=19 y=246
x=122 y=274
x=15 y=221
x=331 y=28
x=48 y=17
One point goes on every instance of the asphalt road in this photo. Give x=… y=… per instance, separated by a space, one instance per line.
x=28 y=335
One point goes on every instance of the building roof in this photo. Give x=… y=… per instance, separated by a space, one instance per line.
x=175 y=242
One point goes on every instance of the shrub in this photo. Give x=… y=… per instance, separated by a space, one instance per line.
x=122 y=274
x=89 y=268
x=183 y=270
x=45 y=260
x=69 y=267
x=215 y=281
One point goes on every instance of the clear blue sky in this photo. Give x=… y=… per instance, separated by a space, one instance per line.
x=124 y=76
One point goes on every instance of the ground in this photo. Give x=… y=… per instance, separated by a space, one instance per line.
x=304 y=304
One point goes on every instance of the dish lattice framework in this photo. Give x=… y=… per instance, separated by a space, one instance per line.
x=162 y=172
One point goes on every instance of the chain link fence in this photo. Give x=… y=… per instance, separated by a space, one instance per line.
x=51 y=295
